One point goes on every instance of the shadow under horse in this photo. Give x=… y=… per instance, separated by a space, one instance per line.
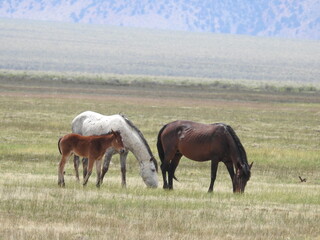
x=203 y=142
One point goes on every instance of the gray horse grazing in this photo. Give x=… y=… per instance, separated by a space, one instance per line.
x=92 y=123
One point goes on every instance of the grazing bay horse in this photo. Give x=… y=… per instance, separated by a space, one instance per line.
x=92 y=123
x=203 y=142
x=91 y=147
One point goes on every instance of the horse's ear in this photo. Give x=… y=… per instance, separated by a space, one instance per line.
x=250 y=166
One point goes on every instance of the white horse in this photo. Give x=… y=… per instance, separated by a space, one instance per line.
x=92 y=123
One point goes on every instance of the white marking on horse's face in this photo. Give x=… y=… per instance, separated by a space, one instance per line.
x=149 y=174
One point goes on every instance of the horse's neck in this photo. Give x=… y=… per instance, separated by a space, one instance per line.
x=135 y=144
x=106 y=141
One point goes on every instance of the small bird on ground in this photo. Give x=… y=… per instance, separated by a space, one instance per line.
x=302 y=179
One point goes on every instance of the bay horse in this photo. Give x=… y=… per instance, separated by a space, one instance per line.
x=92 y=123
x=203 y=142
x=92 y=147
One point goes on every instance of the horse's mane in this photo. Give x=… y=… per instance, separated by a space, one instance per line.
x=139 y=133
x=242 y=151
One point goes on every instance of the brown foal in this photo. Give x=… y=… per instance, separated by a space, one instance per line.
x=91 y=147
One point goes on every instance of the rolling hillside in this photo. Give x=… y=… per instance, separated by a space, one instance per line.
x=281 y=18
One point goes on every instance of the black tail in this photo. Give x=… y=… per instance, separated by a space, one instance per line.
x=159 y=144
x=59 y=145
x=160 y=148
x=242 y=151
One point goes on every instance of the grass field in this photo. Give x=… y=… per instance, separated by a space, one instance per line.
x=279 y=130
x=266 y=89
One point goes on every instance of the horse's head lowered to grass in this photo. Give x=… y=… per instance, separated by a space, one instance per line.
x=241 y=177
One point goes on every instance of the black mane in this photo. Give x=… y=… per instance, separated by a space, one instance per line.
x=139 y=133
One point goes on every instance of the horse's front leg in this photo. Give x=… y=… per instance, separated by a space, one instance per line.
x=214 y=167
x=98 y=168
x=123 y=159
x=229 y=166
x=76 y=163
x=89 y=171
x=106 y=163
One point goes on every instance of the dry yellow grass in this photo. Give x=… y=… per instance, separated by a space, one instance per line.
x=276 y=205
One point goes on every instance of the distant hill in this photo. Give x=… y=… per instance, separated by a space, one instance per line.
x=279 y=18
x=29 y=45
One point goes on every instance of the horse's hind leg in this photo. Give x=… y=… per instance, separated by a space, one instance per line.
x=169 y=154
x=214 y=167
x=172 y=168
x=123 y=159
x=76 y=163
x=164 y=169
x=60 y=171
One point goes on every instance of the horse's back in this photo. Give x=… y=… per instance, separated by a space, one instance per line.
x=77 y=122
x=92 y=123
x=192 y=130
x=196 y=141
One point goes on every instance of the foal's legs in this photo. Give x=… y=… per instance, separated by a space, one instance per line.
x=89 y=171
x=84 y=166
x=98 y=167
x=76 y=163
x=229 y=166
x=214 y=167
x=123 y=159
x=61 y=169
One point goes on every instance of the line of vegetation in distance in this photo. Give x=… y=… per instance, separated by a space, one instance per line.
x=24 y=77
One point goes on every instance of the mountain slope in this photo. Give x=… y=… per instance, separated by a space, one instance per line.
x=281 y=18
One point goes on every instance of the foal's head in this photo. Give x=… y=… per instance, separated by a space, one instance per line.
x=241 y=177
x=117 y=143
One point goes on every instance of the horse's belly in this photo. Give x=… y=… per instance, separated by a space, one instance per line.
x=196 y=153
x=199 y=152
